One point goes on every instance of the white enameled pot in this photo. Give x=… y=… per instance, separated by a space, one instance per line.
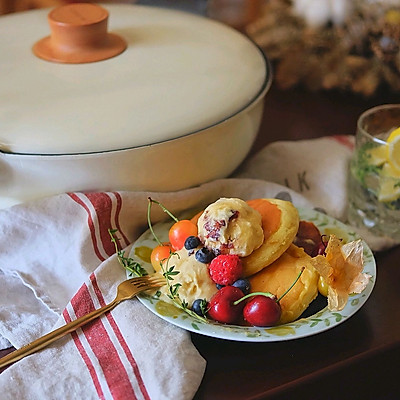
x=171 y=111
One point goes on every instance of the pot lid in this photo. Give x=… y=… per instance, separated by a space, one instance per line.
x=178 y=73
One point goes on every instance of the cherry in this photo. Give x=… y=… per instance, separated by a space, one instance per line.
x=180 y=231
x=159 y=254
x=262 y=310
x=309 y=238
x=222 y=307
x=322 y=246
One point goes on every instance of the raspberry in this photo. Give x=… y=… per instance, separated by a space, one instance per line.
x=225 y=269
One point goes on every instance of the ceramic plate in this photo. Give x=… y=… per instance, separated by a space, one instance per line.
x=318 y=322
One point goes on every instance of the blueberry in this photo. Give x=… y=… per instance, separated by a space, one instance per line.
x=204 y=255
x=243 y=285
x=192 y=242
x=219 y=286
x=199 y=306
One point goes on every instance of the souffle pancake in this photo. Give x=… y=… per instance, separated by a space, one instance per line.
x=280 y=222
x=277 y=277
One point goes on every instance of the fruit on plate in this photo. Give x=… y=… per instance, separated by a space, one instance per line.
x=225 y=269
x=180 y=231
x=159 y=254
x=310 y=239
x=218 y=257
x=230 y=305
x=222 y=307
x=262 y=311
x=341 y=268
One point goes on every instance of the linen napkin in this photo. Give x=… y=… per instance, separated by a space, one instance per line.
x=57 y=262
x=48 y=248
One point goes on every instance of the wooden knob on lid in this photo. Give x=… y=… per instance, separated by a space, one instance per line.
x=79 y=35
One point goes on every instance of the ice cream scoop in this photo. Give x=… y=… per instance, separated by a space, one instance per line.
x=193 y=277
x=231 y=226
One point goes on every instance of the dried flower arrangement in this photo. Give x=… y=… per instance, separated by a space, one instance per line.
x=331 y=44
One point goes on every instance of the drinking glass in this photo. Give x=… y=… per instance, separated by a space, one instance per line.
x=374 y=179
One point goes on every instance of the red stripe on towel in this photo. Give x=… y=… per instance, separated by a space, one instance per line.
x=103 y=205
x=117 y=225
x=85 y=358
x=103 y=348
x=90 y=224
x=120 y=338
x=345 y=140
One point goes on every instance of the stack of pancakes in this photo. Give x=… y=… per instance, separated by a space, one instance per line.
x=275 y=265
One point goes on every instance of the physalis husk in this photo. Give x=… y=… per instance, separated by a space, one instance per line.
x=342 y=270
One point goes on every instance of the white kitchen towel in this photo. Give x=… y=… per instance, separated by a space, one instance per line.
x=57 y=262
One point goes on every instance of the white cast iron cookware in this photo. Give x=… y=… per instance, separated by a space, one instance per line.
x=178 y=106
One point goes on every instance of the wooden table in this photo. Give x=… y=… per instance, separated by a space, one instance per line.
x=358 y=359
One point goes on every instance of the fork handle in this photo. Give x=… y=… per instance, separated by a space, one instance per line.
x=52 y=336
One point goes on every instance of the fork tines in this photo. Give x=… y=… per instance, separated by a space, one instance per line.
x=148 y=279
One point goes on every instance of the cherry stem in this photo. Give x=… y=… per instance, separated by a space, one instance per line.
x=268 y=294
x=149 y=222
x=151 y=201
x=286 y=292
x=164 y=209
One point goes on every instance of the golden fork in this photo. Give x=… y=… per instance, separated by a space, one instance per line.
x=126 y=290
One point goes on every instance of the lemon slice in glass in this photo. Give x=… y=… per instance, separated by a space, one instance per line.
x=389 y=190
x=389 y=172
x=377 y=155
x=393 y=142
